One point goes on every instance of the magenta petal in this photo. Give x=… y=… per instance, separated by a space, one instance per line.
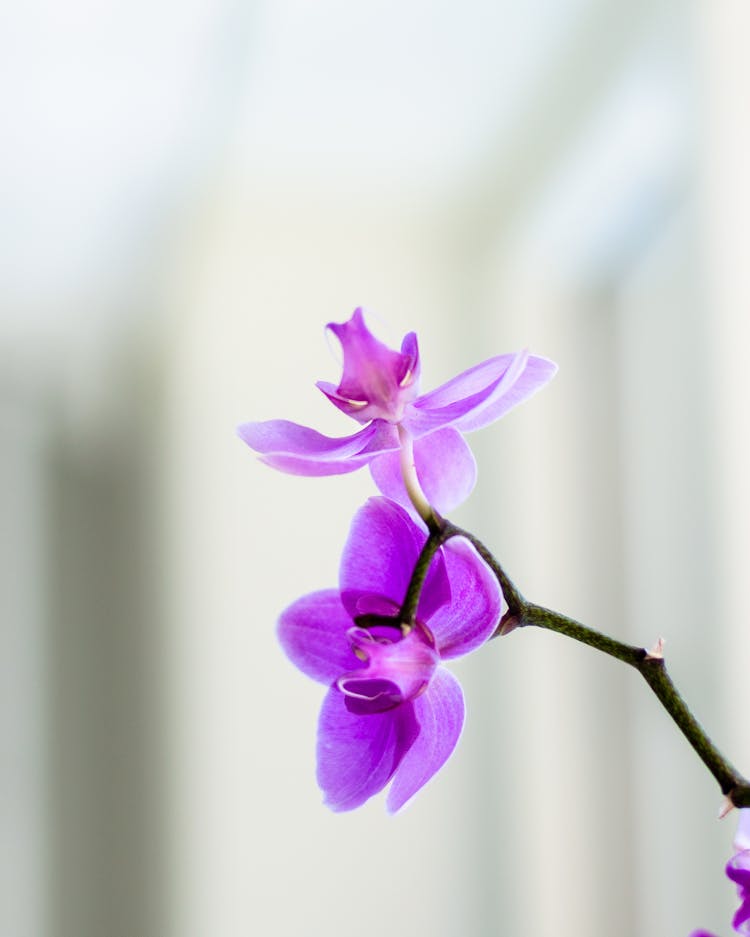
x=464 y=394
x=480 y=395
x=738 y=870
x=440 y=714
x=313 y=633
x=476 y=605
x=378 y=559
x=357 y=755
x=300 y=450
x=535 y=374
x=445 y=466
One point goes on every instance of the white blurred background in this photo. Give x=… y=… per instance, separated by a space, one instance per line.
x=188 y=193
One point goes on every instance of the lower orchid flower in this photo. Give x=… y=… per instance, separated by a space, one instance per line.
x=392 y=712
x=413 y=444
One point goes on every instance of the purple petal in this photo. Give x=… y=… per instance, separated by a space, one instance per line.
x=357 y=755
x=377 y=382
x=445 y=466
x=480 y=395
x=738 y=869
x=742 y=836
x=476 y=605
x=535 y=374
x=378 y=559
x=313 y=633
x=440 y=714
x=741 y=919
x=463 y=394
x=300 y=450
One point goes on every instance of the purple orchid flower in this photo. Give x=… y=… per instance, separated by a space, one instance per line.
x=738 y=871
x=413 y=444
x=392 y=712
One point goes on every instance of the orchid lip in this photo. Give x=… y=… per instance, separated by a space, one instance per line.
x=395 y=671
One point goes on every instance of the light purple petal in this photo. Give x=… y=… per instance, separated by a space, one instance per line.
x=313 y=633
x=480 y=395
x=535 y=374
x=742 y=836
x=378 y=559
x=446 y=470
x=357 y=755
x=463 y=394
x=300 y=450
x=440 y=714
x=476 y=605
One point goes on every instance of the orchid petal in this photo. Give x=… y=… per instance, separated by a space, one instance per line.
x=378 y=559
x=313 y=631
x=741 y=840
x=738 y=871
x=357 y=755
x=300 y=450
x=476 y=605
x=536 y=373
x=463 y=394
x=479 y=395
x=440 y=714
x=446 y=469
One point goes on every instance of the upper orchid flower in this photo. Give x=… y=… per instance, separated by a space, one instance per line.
x=412 y=443
x=392 y=712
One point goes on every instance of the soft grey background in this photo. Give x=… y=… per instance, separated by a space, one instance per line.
x=189 y=192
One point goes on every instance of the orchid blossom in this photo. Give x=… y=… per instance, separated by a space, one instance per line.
x=392 y=712
x=738 y=871
x=413 y=444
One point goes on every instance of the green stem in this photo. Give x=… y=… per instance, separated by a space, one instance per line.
x=411 y=599
x=650 y=665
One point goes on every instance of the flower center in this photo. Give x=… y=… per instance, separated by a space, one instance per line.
x=377 y=382
x=398 y=667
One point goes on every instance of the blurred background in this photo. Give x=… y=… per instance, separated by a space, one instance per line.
x=189 y=192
